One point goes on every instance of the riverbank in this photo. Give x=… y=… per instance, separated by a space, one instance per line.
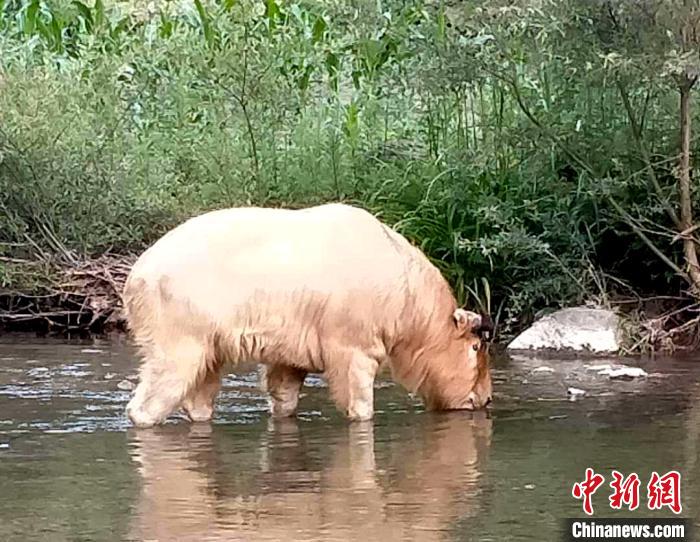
x=527 y=192
x=65 y=296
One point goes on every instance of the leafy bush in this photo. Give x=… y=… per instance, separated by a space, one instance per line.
x=482 y=133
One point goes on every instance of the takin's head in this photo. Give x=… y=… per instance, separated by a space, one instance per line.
x=458 y=376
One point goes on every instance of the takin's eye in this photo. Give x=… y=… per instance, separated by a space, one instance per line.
x=475 y=347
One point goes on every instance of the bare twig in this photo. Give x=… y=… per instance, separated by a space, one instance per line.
x=80 y=296
x=636 y=130
x=656 y=250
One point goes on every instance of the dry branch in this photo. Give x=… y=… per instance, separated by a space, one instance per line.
x=85 y=295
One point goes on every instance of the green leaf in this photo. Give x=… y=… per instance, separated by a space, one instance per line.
x=166 y=26
x=85 y=13
x=99 y=13
x=56 y=33
x=228 y=4
x=356 y=75
x=441 y=26
x=332 y=63
x=319 y=29
x=298 y=14
x=351 y=127
x=303 y=82
x=119 y=28
x=43 y=30
x=204 y=20
x=272 y=12
x=487 y=294
x=31 y=14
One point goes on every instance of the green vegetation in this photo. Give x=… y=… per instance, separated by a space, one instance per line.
x=532 y=148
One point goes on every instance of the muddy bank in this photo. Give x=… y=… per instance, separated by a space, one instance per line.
x=61 y=296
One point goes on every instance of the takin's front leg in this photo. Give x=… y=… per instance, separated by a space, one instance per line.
x=283 y=383
x=351 y=381
x=166 y=377
x=199 y=401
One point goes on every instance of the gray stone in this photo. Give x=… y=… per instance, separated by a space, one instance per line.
x=575 y=392
x=126 y=385
x=624 y=372
x=578 y=329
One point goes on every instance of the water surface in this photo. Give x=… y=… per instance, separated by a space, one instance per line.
x=72 y=468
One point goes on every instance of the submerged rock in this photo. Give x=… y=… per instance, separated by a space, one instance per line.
x=575 y=391
x=578 y=328
x=624 y=372
x=126 y=385
x=543 y=369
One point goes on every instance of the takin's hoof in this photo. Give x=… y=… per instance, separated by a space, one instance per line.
x=360 y=415
x=140 y=418
x=283 y=412
x=282 y=409
x=199 y=415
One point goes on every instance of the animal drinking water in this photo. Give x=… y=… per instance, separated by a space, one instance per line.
x=328 y=289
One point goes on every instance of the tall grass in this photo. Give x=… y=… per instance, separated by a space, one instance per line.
x=116 y=124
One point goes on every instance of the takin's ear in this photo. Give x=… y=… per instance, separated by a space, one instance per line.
x=471 y=322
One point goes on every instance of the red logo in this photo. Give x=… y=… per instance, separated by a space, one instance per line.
x=665 y=491
x=661 y=491
x=625 y=491
x=587 y=488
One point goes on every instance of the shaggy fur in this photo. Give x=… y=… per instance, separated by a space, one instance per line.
x=328 y=290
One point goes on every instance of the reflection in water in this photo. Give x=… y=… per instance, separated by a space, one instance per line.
x=73 y=470
x=412 y=484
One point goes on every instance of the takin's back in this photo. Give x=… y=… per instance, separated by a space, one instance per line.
x=259 y=271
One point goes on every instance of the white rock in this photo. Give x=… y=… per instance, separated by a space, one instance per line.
x=601 y=367
x=575 y=392
x=543 y=369
x=126 y=385
x=624 y=372
x=578 y=328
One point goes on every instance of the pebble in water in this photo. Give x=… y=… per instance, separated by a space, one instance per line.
x=126 y=385
x=575 y=393
x=543 y=369
x=624 y=372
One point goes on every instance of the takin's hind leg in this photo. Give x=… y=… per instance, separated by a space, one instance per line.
x=283 y=383
x=166 y=377
x=199 y=402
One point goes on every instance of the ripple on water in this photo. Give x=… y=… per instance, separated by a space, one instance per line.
x=64 y=434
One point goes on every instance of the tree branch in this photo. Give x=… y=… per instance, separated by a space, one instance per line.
x=639 y=141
